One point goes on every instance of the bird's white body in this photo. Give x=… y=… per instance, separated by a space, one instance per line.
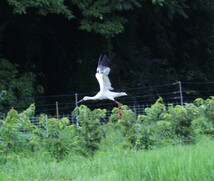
x=105 y=85
x=105 y=89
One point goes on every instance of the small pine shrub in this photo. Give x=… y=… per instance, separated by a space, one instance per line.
x=14 y=131
x=204 y=122
x=60 y=137
x=181 y=120
x=90 y=133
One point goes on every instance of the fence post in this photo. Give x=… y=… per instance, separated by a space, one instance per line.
x=181 y=93
x=46 y=119
x=76 y=100
x=57 y=110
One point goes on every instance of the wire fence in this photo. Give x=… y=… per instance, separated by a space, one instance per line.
x=176 y=93
x=138 y=99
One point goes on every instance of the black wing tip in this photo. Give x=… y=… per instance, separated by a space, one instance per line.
x=104 y=60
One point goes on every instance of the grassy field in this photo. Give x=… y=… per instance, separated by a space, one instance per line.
x=171 y=163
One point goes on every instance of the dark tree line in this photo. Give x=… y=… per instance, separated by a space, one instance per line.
x=58 y=43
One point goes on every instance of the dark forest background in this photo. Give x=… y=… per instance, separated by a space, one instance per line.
x=52 y=46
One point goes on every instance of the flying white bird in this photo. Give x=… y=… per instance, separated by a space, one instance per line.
x=105 y=84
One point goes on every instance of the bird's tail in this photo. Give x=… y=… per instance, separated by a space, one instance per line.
x=120 y=94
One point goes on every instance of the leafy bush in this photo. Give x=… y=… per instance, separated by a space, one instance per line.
x=150 y=131
x=181 y=122
x=90 y=133
x=154 y=113
x=12 y=128
x=130 y=128
x=159 y=125
x=204 y=122
x=60 y=138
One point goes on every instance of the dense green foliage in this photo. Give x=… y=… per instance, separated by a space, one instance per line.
x=15 y=86
x=160 y=125
x=43 y=6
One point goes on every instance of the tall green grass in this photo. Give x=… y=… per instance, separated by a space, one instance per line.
x=171 y=163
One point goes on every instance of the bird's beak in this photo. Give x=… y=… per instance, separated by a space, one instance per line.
x=80 y=101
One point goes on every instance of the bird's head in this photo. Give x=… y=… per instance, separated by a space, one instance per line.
x=84 y=99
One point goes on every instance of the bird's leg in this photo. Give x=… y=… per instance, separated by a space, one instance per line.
x=118 y=114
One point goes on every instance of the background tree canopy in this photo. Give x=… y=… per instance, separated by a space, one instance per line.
x=149 y=41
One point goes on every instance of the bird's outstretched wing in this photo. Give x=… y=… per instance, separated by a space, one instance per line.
x=102 y=73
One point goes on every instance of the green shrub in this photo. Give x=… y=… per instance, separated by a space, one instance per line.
x=159 y=125
x=90 y=133
x=154 y=113
x=181 y=119
x=204 y=122
x=14 y=131
x=151 y=133
x=60 y=138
